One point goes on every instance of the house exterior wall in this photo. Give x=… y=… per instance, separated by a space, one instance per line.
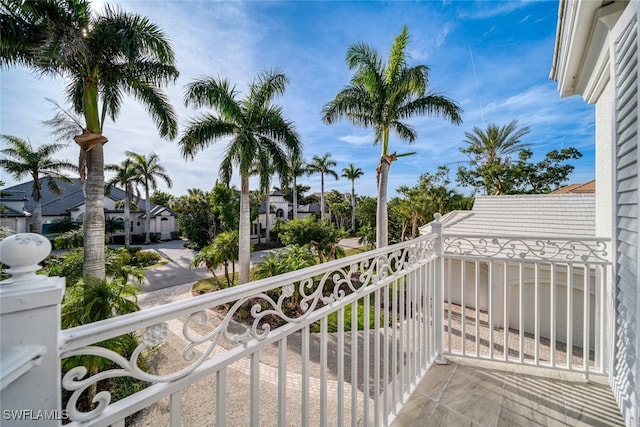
x=457 y=283
x=597 y=57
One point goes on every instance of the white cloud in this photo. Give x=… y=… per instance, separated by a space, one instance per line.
x=358 y=139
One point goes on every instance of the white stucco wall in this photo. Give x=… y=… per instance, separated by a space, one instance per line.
x=604 y=162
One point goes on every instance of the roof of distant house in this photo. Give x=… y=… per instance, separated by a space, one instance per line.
x=586 y=188
x=566 y=215
x=71 y=197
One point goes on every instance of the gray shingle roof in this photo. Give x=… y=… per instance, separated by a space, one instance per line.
x=71 y=197
x=565 y=215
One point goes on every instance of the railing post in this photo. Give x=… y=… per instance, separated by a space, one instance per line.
x=438 y=306
x=29 y=327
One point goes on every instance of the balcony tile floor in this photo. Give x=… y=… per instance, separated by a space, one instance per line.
x=470 y=392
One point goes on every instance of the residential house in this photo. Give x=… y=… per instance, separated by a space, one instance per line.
x=596 y=57
x=280 y=208
x=70 y=204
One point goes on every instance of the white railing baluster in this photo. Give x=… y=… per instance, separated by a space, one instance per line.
x=569 y=316
x=323 y=368
x=521 y=312
x=175 y=409
x=354 y=363
x=586 y=331
x=221 y=397
x=536 y=313
x=340 y=369
x=282 y=382
x=385 y=359
x=305 y=376
x=366 y=357
x=255 y=389
x=505 y=307
x=394 y=346
x=463 y=301
x=553 y=320
x=449 y=298
x=477 y=303
x=490 y=285
x=376 y=359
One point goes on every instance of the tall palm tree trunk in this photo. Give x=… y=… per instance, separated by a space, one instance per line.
x=268 y=220
x=322 y=197
x=127 y=219
x=36 y=221
x=94 y=215
x=353 y=206
x=382 y=218
x=147 y=220
x=245 y=231
x=295 y=198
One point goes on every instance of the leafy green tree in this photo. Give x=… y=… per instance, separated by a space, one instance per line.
x=195 y=217
x=102 y=56
x=162 y=198
x=352 y=173
x=22 y=160
x=309 y=231
x=260 y=134
x=225 y=204
x=112 y=226
x=490 y=154
x=62 y=225
x=223 y=250
x=126 y=176
x=322 y=165
x=285 y=260
x=149 y=170
x=381 y=96
x=366 y=212
x=544 y=176
x=339 y=209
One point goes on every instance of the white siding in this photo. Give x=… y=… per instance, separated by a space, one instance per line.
x=626 y=369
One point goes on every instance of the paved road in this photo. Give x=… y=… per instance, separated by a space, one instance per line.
x=173 y=281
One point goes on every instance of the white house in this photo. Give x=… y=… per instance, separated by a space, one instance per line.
x=280 y=208
x=18 y=204
x=596 y=57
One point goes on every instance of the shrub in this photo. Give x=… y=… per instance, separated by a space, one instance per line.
x=175 y=235
x=145 y=258
x=70 y=240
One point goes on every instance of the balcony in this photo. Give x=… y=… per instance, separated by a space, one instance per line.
x=443 y=327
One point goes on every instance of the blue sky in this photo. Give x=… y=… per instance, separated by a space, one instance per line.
x=493 y=58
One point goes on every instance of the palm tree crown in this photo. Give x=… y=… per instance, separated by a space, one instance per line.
x=149 y=170
x=492 y=148
x=22 y=160
x=322 y=165
x=260 y=135
x=383 y=95
x=352 y=173
x=102 y=57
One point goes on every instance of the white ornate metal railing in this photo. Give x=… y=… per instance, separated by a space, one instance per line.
x=389 y=292
x=497 y=298
x=539 y=301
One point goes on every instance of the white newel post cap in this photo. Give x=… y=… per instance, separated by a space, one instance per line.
x=22 y=252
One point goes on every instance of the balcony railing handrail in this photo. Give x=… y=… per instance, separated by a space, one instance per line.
x=80 y=336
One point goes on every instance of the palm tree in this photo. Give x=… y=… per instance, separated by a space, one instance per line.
x=289 y=178
x=322 y=165
x=148 y=170
x=102 y=56
x=352 y=173
x=381 y=96
x=265 y=171
x=126 y=177
x=260 y=135
x=21 y=160
x=493 y=148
